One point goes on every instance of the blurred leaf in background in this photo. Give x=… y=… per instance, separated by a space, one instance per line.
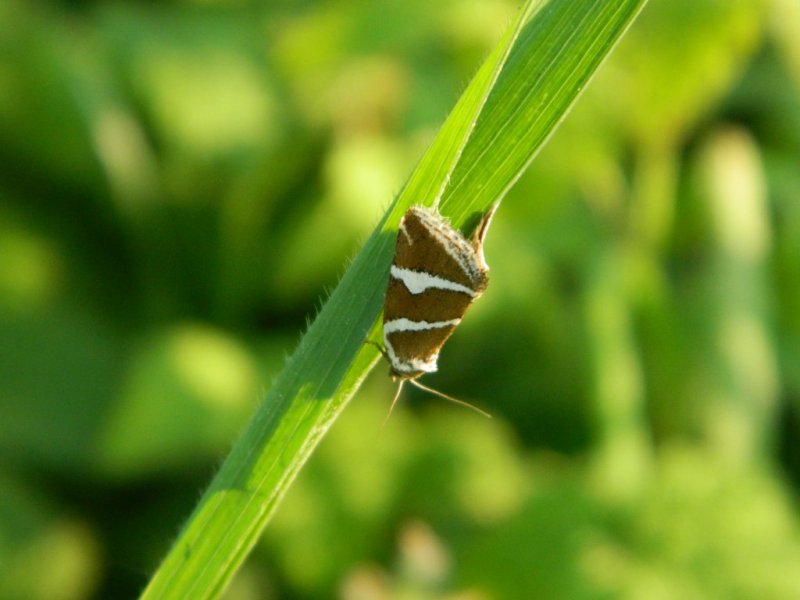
x=179 y=184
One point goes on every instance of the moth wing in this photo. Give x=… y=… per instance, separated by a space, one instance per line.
x=428 y=243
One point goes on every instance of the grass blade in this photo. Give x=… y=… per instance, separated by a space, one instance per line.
x=515 y=100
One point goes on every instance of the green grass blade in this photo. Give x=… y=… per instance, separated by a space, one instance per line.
x=515 y=100
x=551 y=63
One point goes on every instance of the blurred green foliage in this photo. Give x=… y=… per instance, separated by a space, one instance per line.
x=181 y=181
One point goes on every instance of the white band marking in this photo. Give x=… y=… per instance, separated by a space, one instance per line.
x=412 y=365
x=403 y=324
x=417 y=282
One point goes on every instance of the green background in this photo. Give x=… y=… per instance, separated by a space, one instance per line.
x=181 y=182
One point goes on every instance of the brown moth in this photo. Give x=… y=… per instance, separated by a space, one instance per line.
x=435 y=276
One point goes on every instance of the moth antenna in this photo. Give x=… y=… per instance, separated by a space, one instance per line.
x=394 y=402
x=382 y=350
x=446 y=397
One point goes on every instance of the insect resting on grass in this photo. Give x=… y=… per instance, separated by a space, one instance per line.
x=436 y=274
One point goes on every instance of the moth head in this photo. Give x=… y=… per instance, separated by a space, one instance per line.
x=401 y=376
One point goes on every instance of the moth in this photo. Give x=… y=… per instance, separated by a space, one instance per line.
x=436 y=274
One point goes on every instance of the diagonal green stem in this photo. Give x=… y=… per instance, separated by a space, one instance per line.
x=513 y=103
